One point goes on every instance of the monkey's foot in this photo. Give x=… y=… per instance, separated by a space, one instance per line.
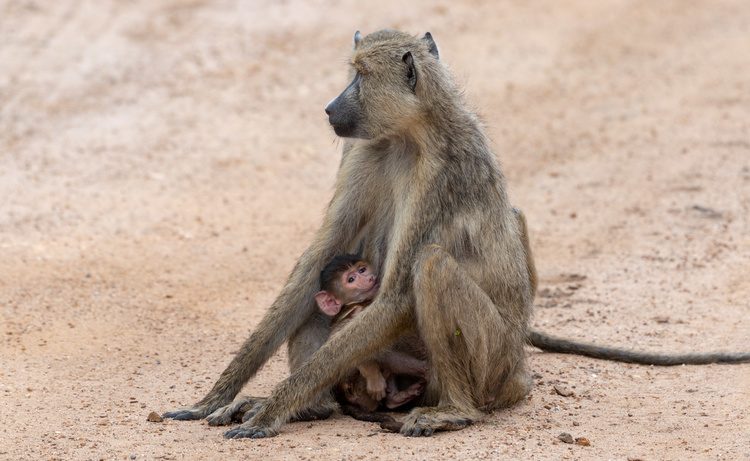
x=424 y=421
x=251 y=431
x=405 y=396
x=237 y=411
x=185 y=414
x=200 y=410
x=250 y=408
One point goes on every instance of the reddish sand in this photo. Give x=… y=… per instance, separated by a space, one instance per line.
x=163 y=164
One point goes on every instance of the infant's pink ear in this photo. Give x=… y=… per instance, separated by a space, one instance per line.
x=328 y=303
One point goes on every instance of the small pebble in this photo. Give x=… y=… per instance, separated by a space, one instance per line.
x=582 y=441
x=563 y=390
x=565 y=437
x=154 y=418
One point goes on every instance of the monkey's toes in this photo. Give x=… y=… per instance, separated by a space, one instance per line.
x=219 y=420
x=418 y=427
x=250 y=413
x=241 y=432
x=419 y=430
x=392 y=425
x=226 y=414
x=183 y=415
x=423 y=422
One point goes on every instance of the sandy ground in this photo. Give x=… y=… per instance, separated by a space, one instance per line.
x=163 y=164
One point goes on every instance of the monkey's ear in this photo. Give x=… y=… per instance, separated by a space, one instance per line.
x=328 y=303
x=431 y=46
x=357 y=38
x=411 y=70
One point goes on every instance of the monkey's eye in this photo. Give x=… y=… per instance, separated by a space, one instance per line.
x=362 y=269
x=351 y=279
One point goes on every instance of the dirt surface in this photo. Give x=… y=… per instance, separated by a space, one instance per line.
x=163 y=164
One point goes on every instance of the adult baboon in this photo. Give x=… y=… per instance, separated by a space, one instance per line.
x=420 y=195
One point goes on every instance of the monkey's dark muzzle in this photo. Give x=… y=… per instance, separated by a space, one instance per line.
x=344 y=112
x=344 y=131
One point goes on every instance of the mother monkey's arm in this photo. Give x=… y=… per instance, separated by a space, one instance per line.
x=291 y=310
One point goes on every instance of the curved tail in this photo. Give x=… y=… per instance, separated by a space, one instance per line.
x=564 y=346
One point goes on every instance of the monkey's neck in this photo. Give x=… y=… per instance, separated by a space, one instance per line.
x=436 y=132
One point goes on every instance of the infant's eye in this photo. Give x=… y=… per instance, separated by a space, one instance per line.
x=351 y=279
x=362 y=270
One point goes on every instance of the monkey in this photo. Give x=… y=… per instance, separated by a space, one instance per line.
x=348 y=283
x=420 y=194
x=399 y=374
x=401 y=389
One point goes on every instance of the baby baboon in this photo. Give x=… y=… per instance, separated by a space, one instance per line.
x=347 y=282
x=421 y=196
x=397 y=375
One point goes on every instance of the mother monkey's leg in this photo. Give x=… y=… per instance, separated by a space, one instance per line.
x=475 y=347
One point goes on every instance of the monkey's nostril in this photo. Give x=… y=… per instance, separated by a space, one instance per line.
x=329 y=107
